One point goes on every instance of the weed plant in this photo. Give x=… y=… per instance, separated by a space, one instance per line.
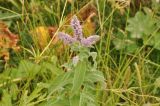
x=80 y=53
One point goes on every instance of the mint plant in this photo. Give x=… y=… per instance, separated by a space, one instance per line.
x=77 y=85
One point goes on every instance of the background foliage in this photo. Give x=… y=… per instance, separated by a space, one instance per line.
x=37 y=69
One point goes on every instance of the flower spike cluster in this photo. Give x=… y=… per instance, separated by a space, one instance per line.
x=77 y=28
x=78 y=35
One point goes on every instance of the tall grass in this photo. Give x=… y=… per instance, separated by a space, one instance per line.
x=39 y=75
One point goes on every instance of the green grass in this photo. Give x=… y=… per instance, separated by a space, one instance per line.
x=126 y=68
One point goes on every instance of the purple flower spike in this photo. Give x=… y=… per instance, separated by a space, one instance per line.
x=90 y=40
x=78 y=36
x=66 y=38
x=77 y=28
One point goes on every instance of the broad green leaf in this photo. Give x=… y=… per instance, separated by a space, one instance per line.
x=124 y=42
x=154 y=41
x=128 y=45
x=51 y=67
x=95 y=76
x=15 y=73
x=60 y=81
x=88 y=97
x=28 y=68
x=131 y=47
x=79 y=75
x=141 y=25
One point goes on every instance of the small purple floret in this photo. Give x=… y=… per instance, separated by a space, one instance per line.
x=66 y=38
x=77 y=28
x=90 y=40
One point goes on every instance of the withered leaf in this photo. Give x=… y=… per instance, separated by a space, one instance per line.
x=40 y=35
x=8 y=40
x=86 y=11
x=43 y=34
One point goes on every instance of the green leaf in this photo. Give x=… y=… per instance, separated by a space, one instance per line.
x=36 y=93
x=6 y=99
x=88 y=97
x=60 y=81
x=155 y=41
x=51 y=67
x=131 y=47
x=28 y=68
x=95 y=76
x=157 y=82
x=141 y=25
x=74 y=101
x=28 y=99
x=53 y=102
x=79 y=75
x=119 y=44
x=8 y=15
x=94 y=66
x=14 y=91
x=126 y=44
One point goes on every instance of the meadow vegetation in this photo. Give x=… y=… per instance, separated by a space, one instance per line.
x=79 y=52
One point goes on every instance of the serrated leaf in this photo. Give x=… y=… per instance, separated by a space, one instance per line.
x=95 y=76
x=79 y=75
x=141 y=25
x=88 y=97
x=128 y=45
x=60 y=81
